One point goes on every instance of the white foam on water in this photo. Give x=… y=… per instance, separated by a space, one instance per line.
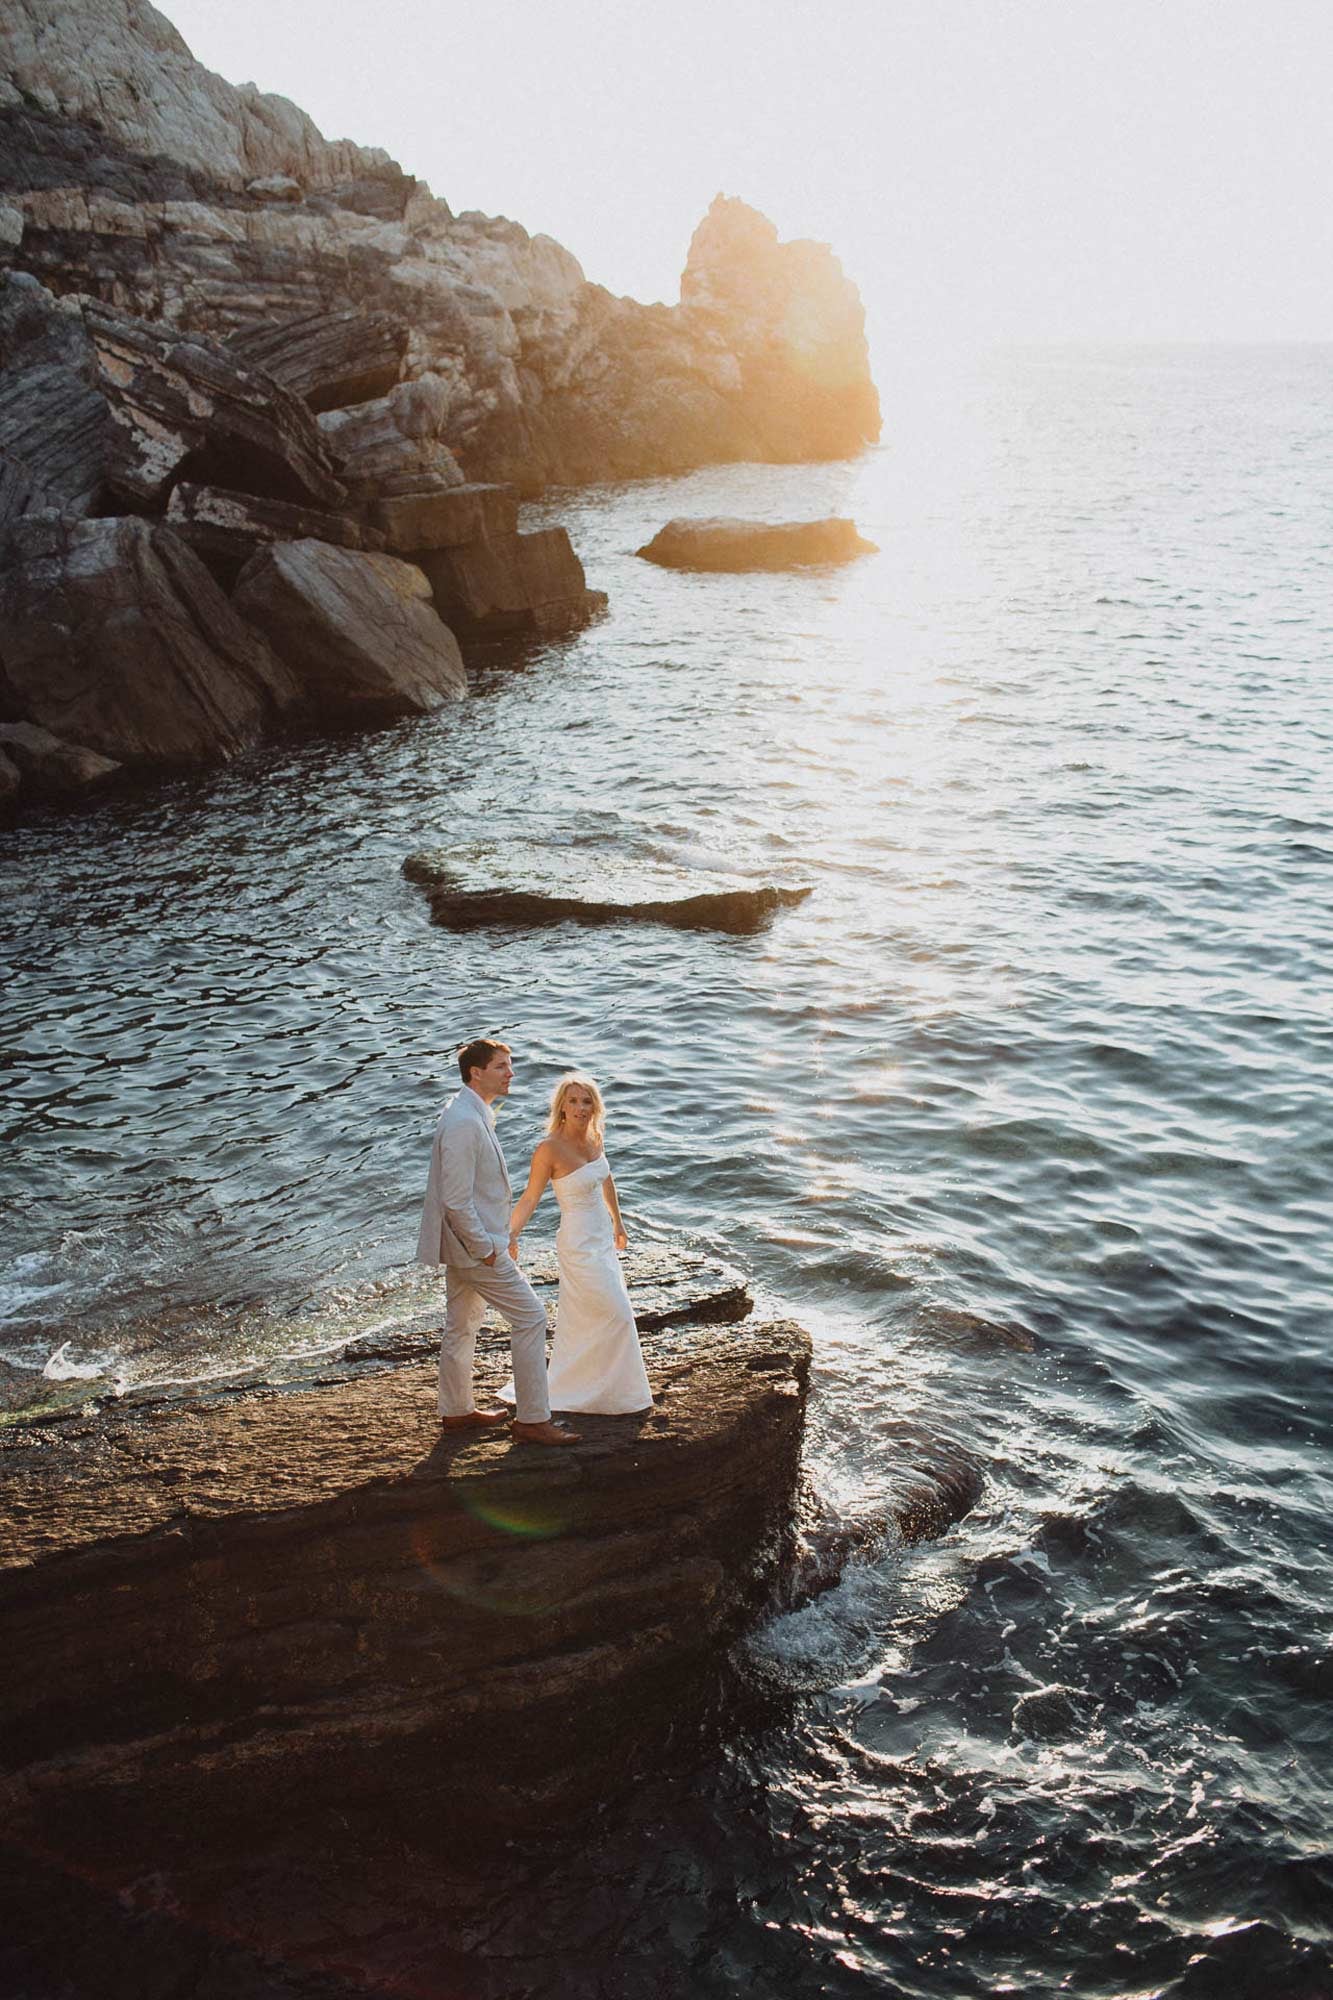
x=60 y=1368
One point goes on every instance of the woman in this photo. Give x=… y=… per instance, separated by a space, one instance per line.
x=596 y=1364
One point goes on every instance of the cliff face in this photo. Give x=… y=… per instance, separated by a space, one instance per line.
x=318 y=393
x=132 y=173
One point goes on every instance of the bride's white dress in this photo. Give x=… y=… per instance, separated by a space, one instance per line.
x=596 y=1365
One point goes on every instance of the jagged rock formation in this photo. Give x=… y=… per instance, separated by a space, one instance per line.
x=132 y=173
x=740 y=545
x=211 y=314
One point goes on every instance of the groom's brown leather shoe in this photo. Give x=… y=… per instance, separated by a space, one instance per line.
x=547 y=1433
x=475 y=1420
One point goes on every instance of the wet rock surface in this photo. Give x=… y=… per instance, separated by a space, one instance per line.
x=721 y=544
x=735 y=912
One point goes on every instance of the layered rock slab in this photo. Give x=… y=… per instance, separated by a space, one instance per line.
x=284 y=1597
x=226 y=529
x=735 y=912
x=101 y=412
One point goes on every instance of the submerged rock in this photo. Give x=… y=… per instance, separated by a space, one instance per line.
x=722 y=544
x=738 y=912
x=356 y=630
x=500 y=584
x=933 y=1482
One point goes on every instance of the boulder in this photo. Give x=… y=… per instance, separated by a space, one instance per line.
x=513 y=583
x=328 y=359
x=357 y=630
x=737 y=912
x=227 y=528
x=445 y=517
x=723 y=544
x=392 y=444
x=46 y=764
x=113 y=635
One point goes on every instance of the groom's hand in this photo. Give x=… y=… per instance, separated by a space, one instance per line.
x=490 y=1259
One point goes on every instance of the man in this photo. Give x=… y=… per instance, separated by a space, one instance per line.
x=465 y=1227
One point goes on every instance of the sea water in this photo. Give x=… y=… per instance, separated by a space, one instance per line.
x=1048 y=1047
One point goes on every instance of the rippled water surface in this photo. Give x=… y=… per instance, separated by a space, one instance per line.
x=1049 y=1043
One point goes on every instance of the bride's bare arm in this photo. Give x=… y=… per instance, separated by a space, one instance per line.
x=526 y=1205
x=609 y=1196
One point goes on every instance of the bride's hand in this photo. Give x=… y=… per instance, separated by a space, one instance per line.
x=622 y=1241
x=513 y=1248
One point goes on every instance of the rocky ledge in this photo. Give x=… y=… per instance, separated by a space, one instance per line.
x=284 y=1666
x=307 y=1594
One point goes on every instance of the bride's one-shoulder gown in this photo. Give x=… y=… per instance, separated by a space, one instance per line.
x=596 y=1363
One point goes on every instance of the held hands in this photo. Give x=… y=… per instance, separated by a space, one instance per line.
x=513 y=1245
x=622 y=1241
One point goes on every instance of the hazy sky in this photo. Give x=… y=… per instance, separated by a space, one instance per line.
x=1029 y=169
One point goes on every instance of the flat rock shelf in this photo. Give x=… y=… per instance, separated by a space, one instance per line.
x=277 y=1596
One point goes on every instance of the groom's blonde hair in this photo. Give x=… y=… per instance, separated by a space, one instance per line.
x=596 y=1124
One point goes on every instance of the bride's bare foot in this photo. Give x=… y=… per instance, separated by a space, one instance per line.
x=474 y=1420
x=547 y=1433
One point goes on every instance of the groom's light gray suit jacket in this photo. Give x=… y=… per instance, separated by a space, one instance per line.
x=468 y=1198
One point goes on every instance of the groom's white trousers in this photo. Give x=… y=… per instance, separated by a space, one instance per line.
x=468 y=1292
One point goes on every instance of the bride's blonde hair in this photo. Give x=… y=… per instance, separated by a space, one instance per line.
x=596 y=1124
